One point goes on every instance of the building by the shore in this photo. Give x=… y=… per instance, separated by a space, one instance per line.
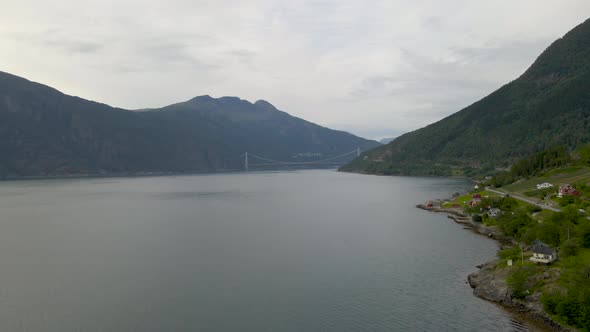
x=542 y=253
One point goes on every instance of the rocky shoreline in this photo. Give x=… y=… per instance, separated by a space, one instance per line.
x=489 y=282
x=463 y=219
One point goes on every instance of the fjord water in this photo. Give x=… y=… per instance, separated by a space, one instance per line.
x=276 y=251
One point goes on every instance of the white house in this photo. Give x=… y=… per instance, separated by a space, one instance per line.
x=494 y=212
x=543 y=253
x=544 y=185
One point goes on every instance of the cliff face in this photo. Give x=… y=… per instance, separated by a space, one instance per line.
x=45 y=132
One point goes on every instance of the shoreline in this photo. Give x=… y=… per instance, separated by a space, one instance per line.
x=490 y=285
x=144 y=174
x=109 y=175
x=463 y=219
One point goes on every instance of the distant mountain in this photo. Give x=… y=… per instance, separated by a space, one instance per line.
x=386 y=140
x=44 y=132
x=549 y=105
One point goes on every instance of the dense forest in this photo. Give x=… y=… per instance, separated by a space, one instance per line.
x=533 y=165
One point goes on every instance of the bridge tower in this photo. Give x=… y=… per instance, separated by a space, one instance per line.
x=358 y=152
x=246 y=161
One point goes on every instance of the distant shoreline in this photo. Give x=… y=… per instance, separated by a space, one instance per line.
x=108 y=175
x=143 y=174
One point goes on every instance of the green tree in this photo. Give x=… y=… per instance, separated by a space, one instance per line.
x=517 y=281
x=548 y=232
x=569 y=248
x=584 y=153
x=585 y=237
x=513 y=225
x=569 y=309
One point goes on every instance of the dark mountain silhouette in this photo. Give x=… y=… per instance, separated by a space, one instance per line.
x=44 y=132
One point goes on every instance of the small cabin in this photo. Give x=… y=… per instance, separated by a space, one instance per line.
x=542 y=253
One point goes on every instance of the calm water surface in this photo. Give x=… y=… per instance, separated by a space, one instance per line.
x=285 y=251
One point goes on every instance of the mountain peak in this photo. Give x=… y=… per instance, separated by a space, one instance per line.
x=264 y=104
x=231 y=99
x=203 y=98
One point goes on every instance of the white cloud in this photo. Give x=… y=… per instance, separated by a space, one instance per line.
x=378 y=68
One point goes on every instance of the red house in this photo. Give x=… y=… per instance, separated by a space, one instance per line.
x=567 y=190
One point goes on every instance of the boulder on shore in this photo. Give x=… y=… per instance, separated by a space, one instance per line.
x=490 y=284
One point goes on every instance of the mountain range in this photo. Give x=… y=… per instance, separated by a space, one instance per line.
x=547 y=106
x=44 y=132
x=386 y=140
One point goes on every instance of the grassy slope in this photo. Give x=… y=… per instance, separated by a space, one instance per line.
x=464 y=200
x=569 y=175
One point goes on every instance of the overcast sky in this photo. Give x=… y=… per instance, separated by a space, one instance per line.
x=375 y=68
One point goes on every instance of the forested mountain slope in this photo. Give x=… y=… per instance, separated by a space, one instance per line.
x=549 y=105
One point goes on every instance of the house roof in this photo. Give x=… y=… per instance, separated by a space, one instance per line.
x=542 y=248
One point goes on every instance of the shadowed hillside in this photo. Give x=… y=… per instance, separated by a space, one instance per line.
x=44 y=132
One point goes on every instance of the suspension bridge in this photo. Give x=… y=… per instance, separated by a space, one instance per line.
x=261 y=161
